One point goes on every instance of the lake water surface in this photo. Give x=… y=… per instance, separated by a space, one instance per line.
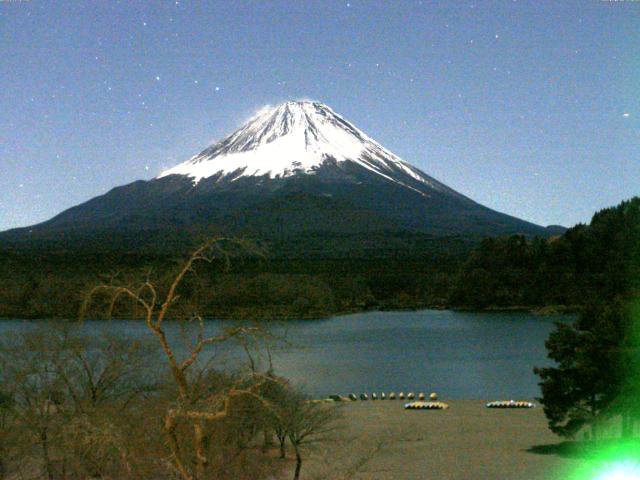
x=457 y=354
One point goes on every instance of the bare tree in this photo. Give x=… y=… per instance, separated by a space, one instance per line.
x=105 y=370
x=37 y=394
x=70 y=396
x=105 y=379
x=190 y=408
x=307 y=422
x=278 y=393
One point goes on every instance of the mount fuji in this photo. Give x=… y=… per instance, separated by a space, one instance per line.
x=293 y=172
x=298 y=138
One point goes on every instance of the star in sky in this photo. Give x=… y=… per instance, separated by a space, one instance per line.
x=361 y=80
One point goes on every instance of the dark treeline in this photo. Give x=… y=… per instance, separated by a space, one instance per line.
x=52 y=284
x=552 y=274
x=587 y=261
x=595 y=379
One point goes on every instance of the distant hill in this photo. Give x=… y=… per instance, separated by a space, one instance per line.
x=553 y=230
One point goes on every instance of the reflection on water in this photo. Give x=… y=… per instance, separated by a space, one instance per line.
x=457 y=354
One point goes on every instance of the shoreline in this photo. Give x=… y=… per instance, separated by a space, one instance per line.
x=542 y=311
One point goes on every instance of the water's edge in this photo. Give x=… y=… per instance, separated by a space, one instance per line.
x=458 y=354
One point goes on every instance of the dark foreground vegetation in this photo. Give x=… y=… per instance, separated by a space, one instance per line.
x=74 y=406
x=46 y=282
x=596 y=377
x=554 y=274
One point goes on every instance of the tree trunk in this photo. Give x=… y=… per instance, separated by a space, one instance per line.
x=268 y=440
x=201 y=457
x=172 y=440
x=296 y=474
x=283 y=452
x=44 y=443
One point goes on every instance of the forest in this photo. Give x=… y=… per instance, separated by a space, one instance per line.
x=73 y=406
x=594 y=379
x=554 y=274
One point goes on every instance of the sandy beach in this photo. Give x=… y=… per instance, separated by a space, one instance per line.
x=380 y=440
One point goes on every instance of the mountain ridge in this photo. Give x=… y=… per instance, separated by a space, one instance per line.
x=292 y=171
x=296 y=137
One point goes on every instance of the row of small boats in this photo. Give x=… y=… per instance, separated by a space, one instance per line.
x=422 y=403
x=510 y=404
x=442 y=406
x=426 y=406
x=383 y=396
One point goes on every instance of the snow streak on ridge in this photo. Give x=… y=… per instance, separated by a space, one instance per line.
x=296 y=138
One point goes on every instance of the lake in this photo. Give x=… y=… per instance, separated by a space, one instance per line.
x=460 y=355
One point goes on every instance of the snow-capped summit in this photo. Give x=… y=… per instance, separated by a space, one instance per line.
x=298 y=175
x=296 y=137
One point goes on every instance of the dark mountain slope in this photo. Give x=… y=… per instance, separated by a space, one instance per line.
x=295 y=171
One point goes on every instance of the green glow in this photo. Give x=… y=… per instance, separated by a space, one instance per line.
x=615 y=455
x=625 y=470
x=606 y=460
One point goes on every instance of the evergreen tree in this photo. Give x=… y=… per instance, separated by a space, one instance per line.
x=589 y=374
x=597 y=372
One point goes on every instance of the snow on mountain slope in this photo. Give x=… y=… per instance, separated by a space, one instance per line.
x=297 y=138
x=294 y=172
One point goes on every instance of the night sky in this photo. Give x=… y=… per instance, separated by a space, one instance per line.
x=529 y=107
